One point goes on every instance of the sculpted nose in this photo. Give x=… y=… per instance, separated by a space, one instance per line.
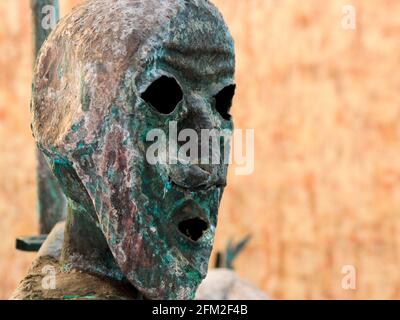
x=201 y=172
x=190 y=176
x=198 y=114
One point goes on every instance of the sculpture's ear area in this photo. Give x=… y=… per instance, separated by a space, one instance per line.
x=70 y=182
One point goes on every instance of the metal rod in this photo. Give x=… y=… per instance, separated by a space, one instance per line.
x=51 y=200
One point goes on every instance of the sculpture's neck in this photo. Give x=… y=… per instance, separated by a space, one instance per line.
x=85 y=247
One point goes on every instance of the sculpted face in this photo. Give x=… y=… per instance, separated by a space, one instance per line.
x=176 y=74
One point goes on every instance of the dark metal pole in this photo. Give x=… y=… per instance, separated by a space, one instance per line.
x=51 y=200
x=41 y=9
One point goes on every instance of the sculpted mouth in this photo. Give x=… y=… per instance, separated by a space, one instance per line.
x=191 y=222
x=193 y=228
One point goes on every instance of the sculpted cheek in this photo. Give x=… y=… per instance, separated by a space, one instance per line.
x=117 y=207
x=133 y=250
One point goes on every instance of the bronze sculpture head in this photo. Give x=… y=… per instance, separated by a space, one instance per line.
x=111 y=73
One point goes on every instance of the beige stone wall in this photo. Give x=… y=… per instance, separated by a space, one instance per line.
x=324 y=103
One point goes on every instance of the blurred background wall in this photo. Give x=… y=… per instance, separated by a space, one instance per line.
x=324 y=103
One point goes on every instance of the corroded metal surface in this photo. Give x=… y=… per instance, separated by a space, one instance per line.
x=74 y=285
x=91 y=123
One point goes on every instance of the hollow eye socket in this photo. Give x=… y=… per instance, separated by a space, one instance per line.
x=223 y=101
x=163 y=94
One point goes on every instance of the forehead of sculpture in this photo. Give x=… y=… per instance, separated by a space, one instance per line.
x=114 y=30
x=81 y=65
x=199 y=46
x=195 y=47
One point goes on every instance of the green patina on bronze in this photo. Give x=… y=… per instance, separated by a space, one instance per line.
x=125 y=215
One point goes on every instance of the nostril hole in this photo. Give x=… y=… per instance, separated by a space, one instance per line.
x=193 y=228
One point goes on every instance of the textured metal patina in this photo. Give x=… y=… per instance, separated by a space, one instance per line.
x=91 y=123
